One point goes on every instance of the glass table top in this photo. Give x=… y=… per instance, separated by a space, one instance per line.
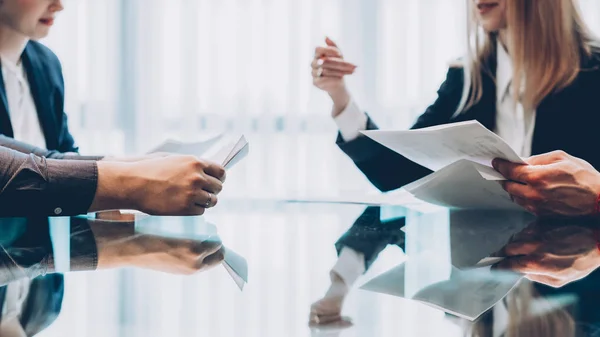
x=270 y=268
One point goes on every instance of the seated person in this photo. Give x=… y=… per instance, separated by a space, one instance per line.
x=57 y=181
x=533 y=80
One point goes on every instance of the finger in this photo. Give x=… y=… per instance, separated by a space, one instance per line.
x=327 y=51
x=547 y=158
x=330 y=42
x=205 y=248
x=206 y=199
x=215 y=258
x=545 y=279
x=517 y=190
x=528 y=264
x=329 y=73
x=321 y=320
x=521 y=248
x=215 y=170
x=212 y=184
x=335 y=63
x=511 y=171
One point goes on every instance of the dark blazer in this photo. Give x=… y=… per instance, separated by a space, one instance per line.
x=567 y=120
x=44 y=74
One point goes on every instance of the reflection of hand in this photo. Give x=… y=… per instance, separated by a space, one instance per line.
x=552 y=183
x=554 y=255
x=329 y=309
x=119 y=246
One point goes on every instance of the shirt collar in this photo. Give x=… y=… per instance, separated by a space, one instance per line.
x=504 y=71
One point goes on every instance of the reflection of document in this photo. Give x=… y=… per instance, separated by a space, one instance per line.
x=461 y=185
x=467 y=294
x=439 y=146
x=477 y=235
x=237 y=267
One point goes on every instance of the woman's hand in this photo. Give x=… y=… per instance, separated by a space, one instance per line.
x=328 y=71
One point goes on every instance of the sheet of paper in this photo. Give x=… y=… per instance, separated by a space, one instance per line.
x=476 y=236
x=439 y=146
x=197 y=149
x=232 y=152
x=466 y=294
x=460 y=185
x=237 y=267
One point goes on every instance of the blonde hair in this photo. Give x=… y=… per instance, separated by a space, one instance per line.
x=529 y=316
x=547 y=40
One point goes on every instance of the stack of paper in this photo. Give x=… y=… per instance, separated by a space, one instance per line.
x=464 y=293
x=225 y=150
x=460 y=155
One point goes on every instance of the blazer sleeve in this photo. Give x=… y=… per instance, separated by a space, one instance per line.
x=66 y=142
x=369 y=235
x=25 y=148
x=32 y=186
x=388 y=170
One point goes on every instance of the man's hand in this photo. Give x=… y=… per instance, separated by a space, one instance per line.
x=171 y=185
x=551 y=254
x=552 y=183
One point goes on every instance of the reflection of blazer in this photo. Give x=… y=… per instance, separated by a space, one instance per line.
x=44 y=74
x=566 y=120
x=370 y=235
x=26 y=251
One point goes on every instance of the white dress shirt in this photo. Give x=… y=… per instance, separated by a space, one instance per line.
x=512 y=124
x=21 y=106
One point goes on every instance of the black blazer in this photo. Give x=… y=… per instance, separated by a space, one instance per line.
x=44 y=74
x=567 y=120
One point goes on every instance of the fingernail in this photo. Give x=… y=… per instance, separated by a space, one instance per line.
x=320 y=62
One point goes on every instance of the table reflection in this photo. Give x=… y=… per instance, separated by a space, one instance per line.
x=488 y=273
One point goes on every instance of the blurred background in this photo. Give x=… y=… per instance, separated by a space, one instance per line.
x=140 y=71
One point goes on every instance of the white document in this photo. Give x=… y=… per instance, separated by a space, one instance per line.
x=440 y=146
x=461 y=185
x=232 y=152
x=197 y=149
x=467 y=294
x=225 y=150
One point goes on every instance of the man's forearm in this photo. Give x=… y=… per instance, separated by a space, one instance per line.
x=32 y=185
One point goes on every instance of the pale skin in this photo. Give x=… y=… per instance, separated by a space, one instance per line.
x=158 y=184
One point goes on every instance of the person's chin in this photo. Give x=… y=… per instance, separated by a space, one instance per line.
x=490 y=27
x=39 y=33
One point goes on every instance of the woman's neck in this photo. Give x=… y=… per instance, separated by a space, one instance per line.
x=12 y=44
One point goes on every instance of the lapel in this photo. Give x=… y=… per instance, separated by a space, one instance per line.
x=41 y=92
x=2 y=298
x=5 y=125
